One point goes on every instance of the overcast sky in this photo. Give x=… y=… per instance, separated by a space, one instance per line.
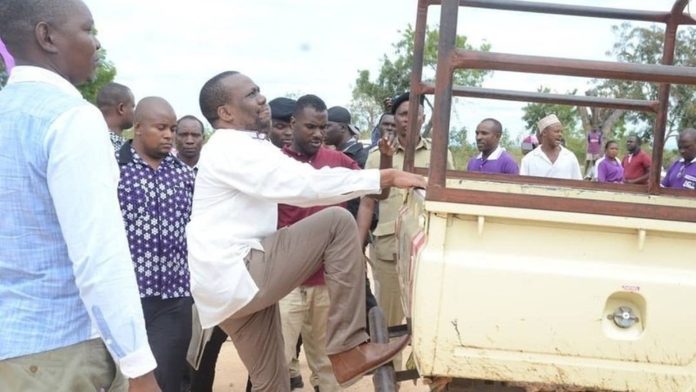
x=170 y=49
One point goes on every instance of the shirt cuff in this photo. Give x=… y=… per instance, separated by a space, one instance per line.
x=138 y=363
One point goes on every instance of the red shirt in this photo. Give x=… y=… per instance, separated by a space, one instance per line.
x=287 y=214
x=636 y=165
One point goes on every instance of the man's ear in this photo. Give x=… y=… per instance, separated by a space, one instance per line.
x=136 y=129
x=44 y=37
x=120 y=109
x=292 y=122
x=225 y=114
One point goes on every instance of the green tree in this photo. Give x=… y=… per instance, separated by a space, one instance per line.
x=395 y=73
x=644 y=45
x=105 y=73
x=3 y=74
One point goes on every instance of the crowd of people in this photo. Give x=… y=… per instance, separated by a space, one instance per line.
x=126 y=264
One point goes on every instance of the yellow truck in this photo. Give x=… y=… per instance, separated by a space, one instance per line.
x=514 y=283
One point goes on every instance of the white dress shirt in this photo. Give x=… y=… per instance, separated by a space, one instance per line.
x=241 y=179
x=536 y=163
x=82 y=177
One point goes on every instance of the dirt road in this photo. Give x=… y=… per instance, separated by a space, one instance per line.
x=231 y=376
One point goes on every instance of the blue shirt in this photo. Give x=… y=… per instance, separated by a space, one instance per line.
x=65 y=270
x=156 y=206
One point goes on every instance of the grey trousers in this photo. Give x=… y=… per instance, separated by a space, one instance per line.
x=85 y=366
x=291 y=255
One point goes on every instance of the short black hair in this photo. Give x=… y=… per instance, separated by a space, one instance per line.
x=213 y=95
x=18 y=18
x=113 y=94
x=638 y=138
x=497 y=126
x=192 y=118
x=606 y=145
x=309 y=100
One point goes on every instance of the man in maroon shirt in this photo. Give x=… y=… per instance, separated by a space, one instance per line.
x=636 y=163
x=305 y=310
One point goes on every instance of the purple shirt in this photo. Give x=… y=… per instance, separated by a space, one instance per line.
x=156 y=206
x=498 y=162
x=594 y=142
x=681 y=175
x=609 y=170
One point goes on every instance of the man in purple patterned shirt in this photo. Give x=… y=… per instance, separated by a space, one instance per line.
x=155 y=193
x=682 y=173
x=492 y=158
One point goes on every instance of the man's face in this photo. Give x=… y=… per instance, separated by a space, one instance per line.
x=687 y=146
x=335 y=133
x=189 y=138
x=76 y=44
x=632 y=144
x=487 y=138
x=247 y=106
x=309 y=127
x=387 y=125
x=552 y=135
x=155 y=131
x=280 y=133
x=401 y=119
x=127 y=115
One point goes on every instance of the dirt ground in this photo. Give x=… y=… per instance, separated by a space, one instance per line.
x=230 y=375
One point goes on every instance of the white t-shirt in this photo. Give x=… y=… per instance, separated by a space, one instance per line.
x=536 y=163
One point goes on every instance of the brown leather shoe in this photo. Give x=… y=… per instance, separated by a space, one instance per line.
x=350 y=365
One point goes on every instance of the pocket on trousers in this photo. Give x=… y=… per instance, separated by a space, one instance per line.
x=385 y=247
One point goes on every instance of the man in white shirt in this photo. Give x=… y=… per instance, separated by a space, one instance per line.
x=241 y=266
x=70 y=315
x=551 y=159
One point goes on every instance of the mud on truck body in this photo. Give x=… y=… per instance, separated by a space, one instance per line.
x=524 y=283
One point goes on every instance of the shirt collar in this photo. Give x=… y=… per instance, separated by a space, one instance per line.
x=127 y=154
x=298 y=154
x=692 y=161
x=494 y=155
x=28 y=73
x=423 y=143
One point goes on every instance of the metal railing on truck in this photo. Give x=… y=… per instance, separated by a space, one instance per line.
x=451 y=58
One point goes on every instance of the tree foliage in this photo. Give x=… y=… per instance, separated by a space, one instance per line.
x=105 y=73
x=642 y=45
x=394 y=75
x=3 y=74
x=645 y=45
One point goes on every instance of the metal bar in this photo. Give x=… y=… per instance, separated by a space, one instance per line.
x=524 y=96
x=553 y=182
x=443 y=93
x=550 y=203
x=384 y=378
x=573 y=67
x=405 y=375
x=663 y=97
x=566 y=9
x=416 y=78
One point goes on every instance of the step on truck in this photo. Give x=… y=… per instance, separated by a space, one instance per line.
x=514 y=283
